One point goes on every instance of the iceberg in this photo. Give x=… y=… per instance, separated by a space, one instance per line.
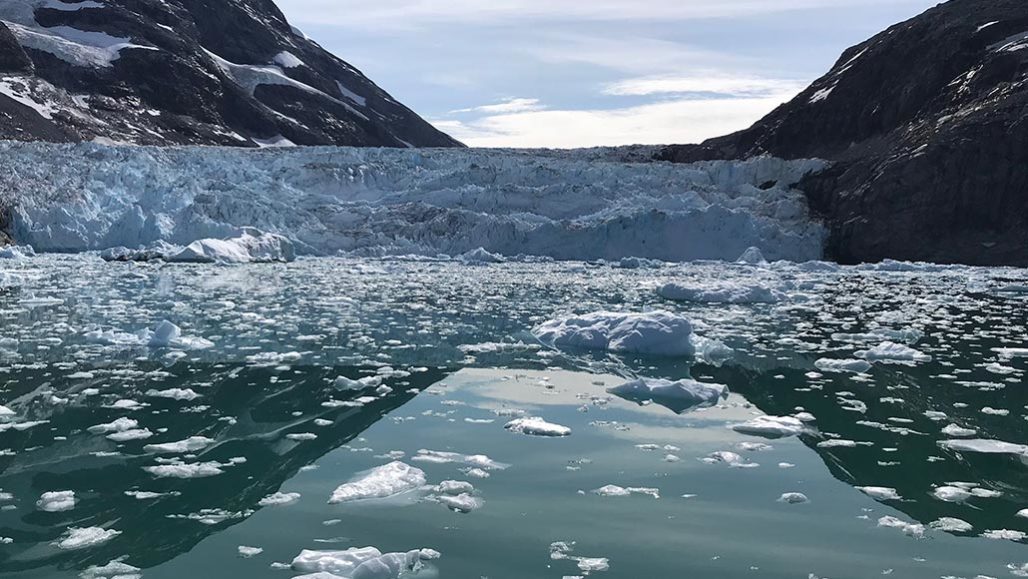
x=653 y=333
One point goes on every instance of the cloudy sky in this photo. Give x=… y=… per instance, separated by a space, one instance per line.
x=571 y=73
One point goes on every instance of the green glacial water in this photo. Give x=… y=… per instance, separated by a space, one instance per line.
x=260 y=392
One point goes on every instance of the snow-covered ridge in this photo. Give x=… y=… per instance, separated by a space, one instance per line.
x=385 y=201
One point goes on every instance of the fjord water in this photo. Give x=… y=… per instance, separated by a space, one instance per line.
x=451 y=342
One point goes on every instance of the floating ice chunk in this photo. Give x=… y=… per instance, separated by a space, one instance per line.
x=721 y=294
x=561 y=551
x=680 y=396
x=82 y=538
x=711 y=351
x=112 y=570
x=120 y=425
x=278 y=499
x=958 y=492
x=841 y=443
x=186 y=394
x=454 y=487
x=907 y=335
x=771 y=426
x=480 y=255
x=301 y=436
x=191 y=444
x=846 y=365
x=793 y=498
x=888 y=352
x=382 y=482
x=951 y=525
x=880 y=493
x=247 y=552
x=1000 y=369
x=252 y=246
x=461 y=503
x=344 y=383
x=56 y=501
x=534 y=426
x=952 y=494
x=473 y=460
x=730 y=458
x=985 y=446
x=213 y=516
x=168 y=335
x=1009 y=353
x=127 y=435
x=362 y=563
x=186 y=471
x=656 y=333
x=616 y=491
x=913 y=529
x=752 y=256
x=1005 y=535
x=958 y=431
x=164 y=335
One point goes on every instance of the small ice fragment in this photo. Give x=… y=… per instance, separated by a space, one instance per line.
x=793 y=498
x=56 y=501
x=771 y=426
x=880 y=493
x=534 y=426
x=247 y=552
x=279 y=498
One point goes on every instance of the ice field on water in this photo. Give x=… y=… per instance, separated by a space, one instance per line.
x=365 y=417
x=375 y=409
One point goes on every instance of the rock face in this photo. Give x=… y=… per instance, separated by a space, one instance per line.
x=164 y=72
x=926 y=126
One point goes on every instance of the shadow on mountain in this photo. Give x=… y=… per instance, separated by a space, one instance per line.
x=247 y=410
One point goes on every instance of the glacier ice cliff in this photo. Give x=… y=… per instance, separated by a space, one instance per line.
x=330 y=200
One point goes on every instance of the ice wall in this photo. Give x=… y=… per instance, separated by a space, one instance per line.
x=385 y=201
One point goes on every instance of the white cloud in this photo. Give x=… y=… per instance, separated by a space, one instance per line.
x=508 y=105
x=672 y=121
x=628 y=54
x=711 y=82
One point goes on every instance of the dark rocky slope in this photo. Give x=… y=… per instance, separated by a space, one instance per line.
x=927 y=128
x=162 y=72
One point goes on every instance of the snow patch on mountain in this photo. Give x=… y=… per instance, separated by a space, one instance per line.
x=329 y=200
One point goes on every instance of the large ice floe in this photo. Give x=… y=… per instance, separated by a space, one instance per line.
x=379 y=201
x=656 y=333
x=361 y=563
x=383 y=482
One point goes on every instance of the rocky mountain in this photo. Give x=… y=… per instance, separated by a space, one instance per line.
x=926 y=126
x=163 y=72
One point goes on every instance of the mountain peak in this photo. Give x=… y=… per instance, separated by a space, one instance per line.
x=211 y=72
x=924 y=124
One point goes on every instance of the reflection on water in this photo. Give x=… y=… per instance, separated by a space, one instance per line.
x=267 y=392
x=248 y=411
